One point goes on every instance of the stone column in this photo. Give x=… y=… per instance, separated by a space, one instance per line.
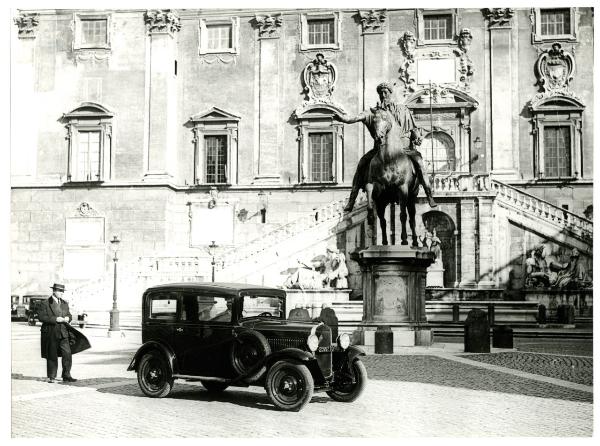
x=24 y=119
x=161 y=105
x=501 y=88
x=269 y=122
x=375 y=62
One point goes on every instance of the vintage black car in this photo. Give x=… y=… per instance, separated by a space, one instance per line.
x=224 y=334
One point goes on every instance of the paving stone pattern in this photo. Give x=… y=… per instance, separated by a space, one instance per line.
x=568 y=368
x=443 y=372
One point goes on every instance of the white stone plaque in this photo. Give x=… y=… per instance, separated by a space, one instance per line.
x=436 y=71
x=211 y=225
x=84 y=231
x=84 y=263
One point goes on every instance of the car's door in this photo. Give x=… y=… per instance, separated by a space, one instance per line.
x=203 y=335
x=160 y=317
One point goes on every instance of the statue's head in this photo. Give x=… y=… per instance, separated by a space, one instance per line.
x=385 y=90
x=409 y=44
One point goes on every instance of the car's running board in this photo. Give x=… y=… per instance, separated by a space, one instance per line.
x=201 y=378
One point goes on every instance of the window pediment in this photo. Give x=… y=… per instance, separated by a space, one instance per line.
x=316 y=111
x=214 y=114
x=89 y=110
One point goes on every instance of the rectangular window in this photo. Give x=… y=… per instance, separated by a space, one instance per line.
x=321 y=157
x=88 y=156
x=219 y=37
x=93 y=32
x=321 y=31
x=216 y=158
x=437 y=27
x=164 y=308
x=555 y=22
x=557 y=151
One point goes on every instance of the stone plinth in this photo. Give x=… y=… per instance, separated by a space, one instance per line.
x=394 y=292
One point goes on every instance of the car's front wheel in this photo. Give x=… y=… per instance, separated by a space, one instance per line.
x=214 y=386
x=345 y=388
x=154 y=376
x=289 y=386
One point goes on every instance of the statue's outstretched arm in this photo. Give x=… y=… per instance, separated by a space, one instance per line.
x=347 y=119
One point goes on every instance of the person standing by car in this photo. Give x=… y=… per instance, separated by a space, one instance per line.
x=58 y=337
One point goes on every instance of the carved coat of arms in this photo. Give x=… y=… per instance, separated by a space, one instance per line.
x=319 y=79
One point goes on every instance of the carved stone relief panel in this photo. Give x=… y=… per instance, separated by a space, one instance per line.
x=27 y=25
x=554 y=70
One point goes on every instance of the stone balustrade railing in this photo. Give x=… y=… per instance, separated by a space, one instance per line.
x=537 y=207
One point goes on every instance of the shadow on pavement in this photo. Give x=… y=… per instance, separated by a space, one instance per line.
x=233 y=395
x=443 y=372
x=90 y=382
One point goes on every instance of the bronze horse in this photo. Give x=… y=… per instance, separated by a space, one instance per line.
x=392 y=175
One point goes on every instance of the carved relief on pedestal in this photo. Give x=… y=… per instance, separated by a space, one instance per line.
x=499 y=16
x=27 y=24
x=554 y=70
x=162 y=21
x=269 y=26
x=373 y=21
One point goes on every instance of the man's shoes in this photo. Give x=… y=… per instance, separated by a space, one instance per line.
x=69 y=379
x=50 y=380
x=432 y=203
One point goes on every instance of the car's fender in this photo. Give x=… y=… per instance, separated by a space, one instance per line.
x=154 y=345
x=287 y=354
x=353 y=351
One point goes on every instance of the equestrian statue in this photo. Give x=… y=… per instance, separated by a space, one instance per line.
x=392 y=171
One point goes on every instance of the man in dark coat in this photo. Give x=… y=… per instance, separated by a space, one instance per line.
x=58 y=337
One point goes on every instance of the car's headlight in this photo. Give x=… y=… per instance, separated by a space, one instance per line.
x=343 y=341
x=312 y=342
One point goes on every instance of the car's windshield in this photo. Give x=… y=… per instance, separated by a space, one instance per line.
x=262 y=306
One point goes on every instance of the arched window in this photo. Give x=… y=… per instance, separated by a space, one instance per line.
x=438 y=154
x=89 y=136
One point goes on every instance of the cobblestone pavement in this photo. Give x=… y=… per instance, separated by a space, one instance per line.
x=569 y=368
x=414 y=395
x=578 y=347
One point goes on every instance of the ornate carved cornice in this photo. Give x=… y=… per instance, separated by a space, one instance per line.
x=162 y=21
x=269 y=26
x=27 y=24
x=499 y=17
x=373 y=21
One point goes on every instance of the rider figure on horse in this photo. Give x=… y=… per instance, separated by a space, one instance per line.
x=405 y=120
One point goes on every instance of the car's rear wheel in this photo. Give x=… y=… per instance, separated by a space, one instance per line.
x=154 y=375
x=347 y=389
x=214 y=386
x=289 y=386
x=248 y=349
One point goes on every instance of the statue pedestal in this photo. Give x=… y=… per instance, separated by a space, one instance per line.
x=394 y=293
x=435 y=275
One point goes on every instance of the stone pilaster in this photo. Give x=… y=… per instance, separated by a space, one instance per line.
x=267 y=153
x=468 y=242
x=486 y=242
x=500 y=22
x=24 y=119
x=374 y=27
x=161 y=95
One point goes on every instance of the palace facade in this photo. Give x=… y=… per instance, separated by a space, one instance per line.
x=205 y=141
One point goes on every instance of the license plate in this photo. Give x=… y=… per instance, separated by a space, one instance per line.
x=326 y=349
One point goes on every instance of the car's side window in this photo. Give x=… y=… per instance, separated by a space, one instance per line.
x=163 y=307
x=201 y=307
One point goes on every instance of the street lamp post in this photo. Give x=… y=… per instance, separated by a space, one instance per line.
x=212 y=248
x=114 y=312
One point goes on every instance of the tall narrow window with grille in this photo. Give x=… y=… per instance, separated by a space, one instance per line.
x=216 y=158
x=321 y=157
x=557 y=151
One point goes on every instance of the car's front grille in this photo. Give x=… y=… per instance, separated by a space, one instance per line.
x=324 y=359
x=281 y=343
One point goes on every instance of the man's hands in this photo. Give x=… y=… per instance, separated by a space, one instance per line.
x=62 y=319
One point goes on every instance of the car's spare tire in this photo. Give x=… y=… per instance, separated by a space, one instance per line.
x=249 y=348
